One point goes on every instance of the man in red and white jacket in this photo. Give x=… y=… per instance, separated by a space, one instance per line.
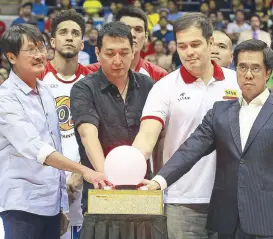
x=137 y=20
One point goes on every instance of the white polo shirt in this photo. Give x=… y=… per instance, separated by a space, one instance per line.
x=180 y=101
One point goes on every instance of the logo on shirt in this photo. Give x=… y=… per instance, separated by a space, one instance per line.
x=183 y=96
x=64 y=114
x=230 y=94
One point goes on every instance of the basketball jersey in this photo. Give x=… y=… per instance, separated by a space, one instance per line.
x=61 y=88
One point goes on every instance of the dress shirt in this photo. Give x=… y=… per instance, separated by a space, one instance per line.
x=248 y=114
x=29 y=132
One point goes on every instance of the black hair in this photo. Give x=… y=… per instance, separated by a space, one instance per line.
x=67 y=15
x=255 y=46
x=132 y=12
x=27 y=4
x=12 y=38
x=255 y=15
x=198 y=20
x=115 y=29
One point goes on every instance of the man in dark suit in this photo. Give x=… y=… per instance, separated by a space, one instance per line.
x=240 y=131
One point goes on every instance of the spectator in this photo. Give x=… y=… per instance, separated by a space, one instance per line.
x=163 y=34
x=2 y=27
x=51 y=14
x=113 y=10
x=92 y=7
x=90 y=45
x=163 y=3
x=148 y=49
x=217 y=25
x=4 y=62
x=137 y=4
x=174 y=13
x=255 y=32
x=239 y=25
x=25 y=15
x=137 y=20
x=163 y=12
x=159 y=57
x=222 y=50
x=235 y=6
x=153 y=17
x=50 y=54
x=39 y=11
x=263 y=12
x=46 y=39
x=2 y=79
x=204 y=8
x=89 y=24
x=4 y=71
x=65 y=5
x=171 y=47
x=212 y=5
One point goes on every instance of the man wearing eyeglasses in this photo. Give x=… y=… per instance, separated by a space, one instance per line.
x=241 y=133
x=33 y=189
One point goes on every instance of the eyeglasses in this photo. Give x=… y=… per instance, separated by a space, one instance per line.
x=255 y=69
x=33 y=51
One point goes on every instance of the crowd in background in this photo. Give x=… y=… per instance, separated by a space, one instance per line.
x=232 y=17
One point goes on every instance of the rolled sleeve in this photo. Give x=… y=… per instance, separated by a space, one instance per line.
x=82 y=105
x=161 y=181
x=158 y=103
x=20 y=132
x=44 y=152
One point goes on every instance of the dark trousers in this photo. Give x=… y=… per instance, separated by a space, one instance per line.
x=240 y=234
x=24 y=225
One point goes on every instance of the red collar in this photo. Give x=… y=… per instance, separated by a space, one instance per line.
x=139 y=65
x=188 y=78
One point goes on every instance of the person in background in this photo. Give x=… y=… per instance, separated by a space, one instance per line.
x=152 y=15
x=89 y=24
x=177 y=104
x=235 y=28
x=163 y=12
x=222 y=52
x=4 y=72
x=163 y=34
x=39 y=11
x=255 y=32
x=2 y=28
x=110 y=16
x=217 y=25
x=174 y=12
x=137 y=20
x=51 y=14
x=60 y=74
x=90 y=44
x=50 y=54
x=25 y=15
x=160 y=58
x=34 y=202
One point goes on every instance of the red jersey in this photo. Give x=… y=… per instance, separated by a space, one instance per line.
x=143 y=66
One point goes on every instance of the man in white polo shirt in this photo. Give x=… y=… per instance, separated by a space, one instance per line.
x=177 y=104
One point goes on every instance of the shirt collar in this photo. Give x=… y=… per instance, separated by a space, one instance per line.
x=218 y=74
x=20 y=83
x=259 y=100
x=105 y=83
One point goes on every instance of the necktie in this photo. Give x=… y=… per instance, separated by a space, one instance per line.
x=255 y=35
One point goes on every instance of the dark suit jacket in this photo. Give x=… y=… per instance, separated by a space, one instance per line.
x=244 y=179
